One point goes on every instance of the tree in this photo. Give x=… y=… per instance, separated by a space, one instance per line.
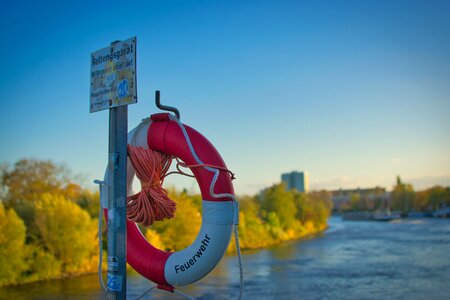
x=153 y=238
x=12 y=246
x=42 y=265
x=89 y=201
x=276 y=199
x=314 y=207
x=421 y=201
x=302 y=210
x=253 y=232
x=179 y=232
x=67 y=231
x=437 y=197
x=402 y=196
x=355 y=201
x=30 y=178
x=320 y=204
x=3 y=188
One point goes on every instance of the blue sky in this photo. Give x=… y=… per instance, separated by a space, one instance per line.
x=354 y=92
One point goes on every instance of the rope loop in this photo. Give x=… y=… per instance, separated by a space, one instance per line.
x=152 y=202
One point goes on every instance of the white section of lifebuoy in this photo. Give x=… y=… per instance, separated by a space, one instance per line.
x=197 y=260
x=136 y=137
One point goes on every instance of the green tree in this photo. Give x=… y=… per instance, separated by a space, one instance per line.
x=437 y=197
x=306 y=211
x=402 y=196
x=321 y=205
x=89 y=201
x=355 y=201
x=12 y=246
x=314 y=207
x=276 y=199
x=253 y=232
x=274 y=226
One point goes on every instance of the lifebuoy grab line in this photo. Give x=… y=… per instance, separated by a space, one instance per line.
x=165 y=133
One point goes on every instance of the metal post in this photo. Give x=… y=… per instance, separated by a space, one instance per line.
x=118 y=129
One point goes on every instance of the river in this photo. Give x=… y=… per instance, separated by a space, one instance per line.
x=407 y=259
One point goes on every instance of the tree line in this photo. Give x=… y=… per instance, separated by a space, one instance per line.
x=403 y=198
x=48 y=223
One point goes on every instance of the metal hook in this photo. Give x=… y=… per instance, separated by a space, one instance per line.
x=165 y=107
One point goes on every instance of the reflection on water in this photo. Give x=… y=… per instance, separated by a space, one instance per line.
x=406 y=259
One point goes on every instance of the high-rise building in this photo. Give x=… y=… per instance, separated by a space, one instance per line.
x=296 y=180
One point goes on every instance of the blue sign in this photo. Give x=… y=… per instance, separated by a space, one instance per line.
x=122 y=89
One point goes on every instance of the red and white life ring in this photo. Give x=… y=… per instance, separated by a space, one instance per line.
x=164 y=133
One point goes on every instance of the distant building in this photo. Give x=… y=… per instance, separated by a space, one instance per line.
x=296 y=180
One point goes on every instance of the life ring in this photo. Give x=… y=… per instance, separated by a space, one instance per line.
x=164 y=133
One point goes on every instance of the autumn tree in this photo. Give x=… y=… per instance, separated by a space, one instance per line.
x=421 y=201
x=179 y=232
x=12 y=246
x=67 y=231
x=30 y=178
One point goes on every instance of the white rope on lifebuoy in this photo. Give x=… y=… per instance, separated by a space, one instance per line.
x=224 y=195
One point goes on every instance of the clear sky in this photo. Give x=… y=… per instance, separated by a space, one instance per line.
x=354 y=92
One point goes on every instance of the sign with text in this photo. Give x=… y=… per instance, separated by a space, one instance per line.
x=113 y=76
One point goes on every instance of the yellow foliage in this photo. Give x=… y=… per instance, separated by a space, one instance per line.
x=67 y=231
x=12 y=241
x=61 y=227
x=42 y=265
x=154 y=239
x=179 y=232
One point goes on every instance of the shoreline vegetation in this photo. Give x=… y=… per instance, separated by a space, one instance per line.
x=404 y=200
x=48 y=223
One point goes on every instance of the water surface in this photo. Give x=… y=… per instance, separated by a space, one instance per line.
x=407 y=259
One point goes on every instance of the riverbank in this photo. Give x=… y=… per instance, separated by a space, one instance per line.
x=51 y=232
x=308 y=230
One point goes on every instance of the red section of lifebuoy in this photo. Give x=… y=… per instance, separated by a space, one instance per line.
x=166 y=136
x=143 y=257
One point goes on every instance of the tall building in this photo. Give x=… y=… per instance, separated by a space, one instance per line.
x=296 y=180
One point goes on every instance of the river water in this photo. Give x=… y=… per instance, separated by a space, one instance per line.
x=407 y=259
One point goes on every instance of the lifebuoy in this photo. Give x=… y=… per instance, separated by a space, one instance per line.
x=164 y=133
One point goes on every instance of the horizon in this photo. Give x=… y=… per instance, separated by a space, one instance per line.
x=355 y=97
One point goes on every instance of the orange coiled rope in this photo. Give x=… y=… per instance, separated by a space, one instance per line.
x=151 y=203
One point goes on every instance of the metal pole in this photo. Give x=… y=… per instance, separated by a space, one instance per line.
x=118 y=129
